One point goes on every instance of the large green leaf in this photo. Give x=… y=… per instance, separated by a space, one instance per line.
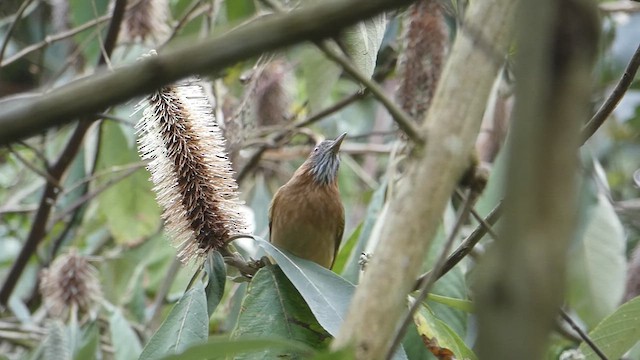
x=327 y=294
x=217 y=277
x=186 y=324
x=129 y=206
x=438 y=333
x=273 y=307
x=597 y=267
x=617 y=333
x=125 y=341
x=352 y=268
x=362 y=42
x=320 y=76
x=89 y=342
x=221 y=347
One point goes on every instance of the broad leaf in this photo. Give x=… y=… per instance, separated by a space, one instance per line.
x=125 y=341
x=327 y=294
x=221 y=347
x=320 y=75
x=439 y=337
x=362 y=42
x=186 y=324
x=617 y=333
x=129 y=206
x=597 y=268
x=217 y=274
x=273 y=307
x=89 y=342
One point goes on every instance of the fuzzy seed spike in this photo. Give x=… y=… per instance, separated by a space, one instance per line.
x=189 y=167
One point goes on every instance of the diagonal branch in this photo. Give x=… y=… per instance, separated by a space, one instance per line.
x=23 y=118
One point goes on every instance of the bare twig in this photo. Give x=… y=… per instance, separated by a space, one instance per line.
x=612 y=101
x=19 y=13
x=53 y=38
x=257 y=155
x=582 y=335
x=467 y=244
x=50 y=194
x=429 y=280
x=404 y=121
x=44 y=173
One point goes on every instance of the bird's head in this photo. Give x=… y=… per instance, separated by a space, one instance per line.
x=324 y=161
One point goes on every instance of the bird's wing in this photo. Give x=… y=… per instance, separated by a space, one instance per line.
x=339 y=234
x=271 y=207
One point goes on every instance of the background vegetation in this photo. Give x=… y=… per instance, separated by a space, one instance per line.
x=79 y=191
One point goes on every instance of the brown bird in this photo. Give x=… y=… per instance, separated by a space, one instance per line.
x=306 y=216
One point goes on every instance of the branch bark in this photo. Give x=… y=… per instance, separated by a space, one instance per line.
x=450 y=129
x=20 y=118
x=520 y=280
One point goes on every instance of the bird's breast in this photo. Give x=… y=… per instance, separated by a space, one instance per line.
x=306 y=221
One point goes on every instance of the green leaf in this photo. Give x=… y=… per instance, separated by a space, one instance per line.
x=273 y=307
x=344 y=354
x=239 y=9
x=129 y=206
x=57 y=344
x=362 y=42
x=327 y=294
x=352 y=269
x=346 y=250
x=617 y=333
x=186 y=324
x=438 y=333
x=459 y=304
x=217 y=277
x=125 y=341
x=88 y=345
x=320 y=75
x=220 y=347
x=597 y=267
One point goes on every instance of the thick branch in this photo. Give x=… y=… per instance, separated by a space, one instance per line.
x=22 y=118
x=520 y=280
x=449 y=130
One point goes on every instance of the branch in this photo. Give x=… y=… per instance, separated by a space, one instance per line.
x=450 y=129
x=521 y=276
x=89 y=95
x=612 y=101
x=584 y=336
x=14 y=23
x=50 y=193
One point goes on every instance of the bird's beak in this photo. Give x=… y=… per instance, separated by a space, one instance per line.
x=335 y=147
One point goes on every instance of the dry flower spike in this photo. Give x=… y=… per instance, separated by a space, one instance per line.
x=190 y=169
x=69 y=283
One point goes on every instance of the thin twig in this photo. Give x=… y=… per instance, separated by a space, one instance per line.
x=428 y=281
x=183 y=19
x=583 y=335
x=53 y=38
x=44 y=173
x=612 y=101
x=257 y=155
x=15 y=22
x=50 y=193
x=467 y=244
x=404 y=121
x=161 y=295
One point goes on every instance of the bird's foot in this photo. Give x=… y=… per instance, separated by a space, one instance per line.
x=364 y=260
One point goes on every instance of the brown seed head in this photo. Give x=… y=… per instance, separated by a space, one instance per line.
x=69 y=282
x=188 y=164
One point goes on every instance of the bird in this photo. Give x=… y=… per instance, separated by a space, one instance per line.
x=306 y=215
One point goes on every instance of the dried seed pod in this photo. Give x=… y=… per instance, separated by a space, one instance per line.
x=272 y=101
x=189 y=166
x=70 y=282
x=425 y=43
x=146 y=21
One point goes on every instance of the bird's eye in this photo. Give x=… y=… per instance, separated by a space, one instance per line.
x=315 y=150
